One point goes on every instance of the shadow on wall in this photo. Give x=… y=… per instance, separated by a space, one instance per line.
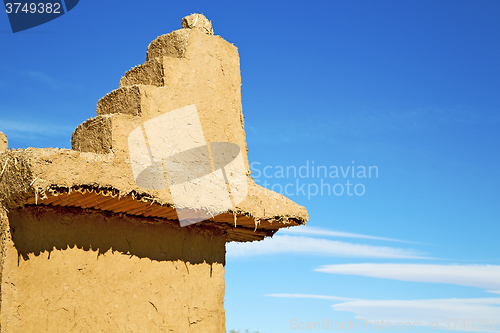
x=36 y=229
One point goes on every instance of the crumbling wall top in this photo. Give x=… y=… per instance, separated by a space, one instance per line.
x=198 y=21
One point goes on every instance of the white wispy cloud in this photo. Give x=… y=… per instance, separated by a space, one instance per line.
x=443 y=313
x=317 y=246
x=41 y=77
x=34 y=128
x=336 y=298
x=449 y=314
x=305 y=230
x=481 y=276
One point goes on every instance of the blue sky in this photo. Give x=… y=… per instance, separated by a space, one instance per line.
x=408 y=87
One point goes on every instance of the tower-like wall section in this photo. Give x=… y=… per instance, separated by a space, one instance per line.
x=91 y=238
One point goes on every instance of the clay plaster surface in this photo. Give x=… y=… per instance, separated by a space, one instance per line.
x=68 y=271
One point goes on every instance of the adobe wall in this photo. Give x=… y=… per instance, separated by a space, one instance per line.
x=72 y=261
x=74 y=270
